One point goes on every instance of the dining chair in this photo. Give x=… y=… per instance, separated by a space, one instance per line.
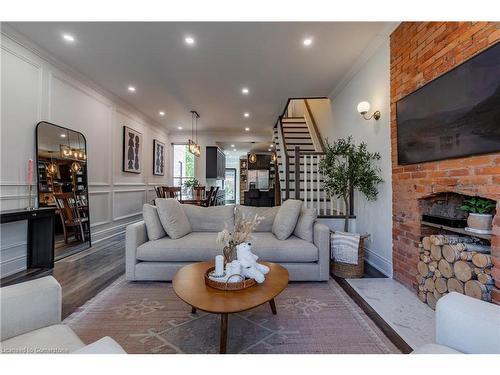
x=74 y=220
x=159 y=191
x=206 y=202
x=213 y=198
x=173 y=192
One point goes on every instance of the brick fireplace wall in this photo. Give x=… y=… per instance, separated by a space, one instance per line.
x=420 y=52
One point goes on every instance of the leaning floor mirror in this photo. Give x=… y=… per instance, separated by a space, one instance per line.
x=62 y=184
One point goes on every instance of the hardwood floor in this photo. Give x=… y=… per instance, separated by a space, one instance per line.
x=85 y=274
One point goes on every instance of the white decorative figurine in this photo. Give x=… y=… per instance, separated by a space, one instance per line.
x=248 y=260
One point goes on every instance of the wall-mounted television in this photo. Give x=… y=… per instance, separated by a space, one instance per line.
x=455 y=115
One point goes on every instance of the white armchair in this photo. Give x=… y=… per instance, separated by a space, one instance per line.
x=465 y=325
x=30 y=322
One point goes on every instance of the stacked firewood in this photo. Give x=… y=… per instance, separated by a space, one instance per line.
x=450 y=263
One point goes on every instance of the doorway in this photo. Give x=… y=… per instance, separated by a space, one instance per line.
x=230 y=185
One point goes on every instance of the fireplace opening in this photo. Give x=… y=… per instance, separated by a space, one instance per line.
x=453 y=255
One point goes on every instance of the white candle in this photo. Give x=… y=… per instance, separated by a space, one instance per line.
x=219 y=265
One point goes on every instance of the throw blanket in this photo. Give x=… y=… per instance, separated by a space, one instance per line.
x=345 y=247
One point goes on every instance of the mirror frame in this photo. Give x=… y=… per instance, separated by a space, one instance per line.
x=86 y=172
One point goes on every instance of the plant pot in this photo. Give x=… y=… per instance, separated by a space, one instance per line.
x=480 y=221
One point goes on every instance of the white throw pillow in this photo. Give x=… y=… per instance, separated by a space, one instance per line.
x=286 y=218
x=172 y=217
x=154 y=227
x=304 y=228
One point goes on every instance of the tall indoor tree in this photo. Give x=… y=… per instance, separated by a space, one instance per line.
x=349 y=166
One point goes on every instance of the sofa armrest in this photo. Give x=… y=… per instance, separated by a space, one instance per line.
x=31 y=305
x=322 y=242
x=135 y=236
x=105 y=345
x=467 y=324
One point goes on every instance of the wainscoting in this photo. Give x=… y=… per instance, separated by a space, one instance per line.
x=35 y=87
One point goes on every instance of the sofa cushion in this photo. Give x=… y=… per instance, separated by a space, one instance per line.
x=193 y=247
x=172 y=217
x=266 y=213
x=105 y=345
x=153 y=224
x=54 y=339
x=209 y=219
x=294 y=250
x=286 y=218
x=201 y=246
x=305 y=224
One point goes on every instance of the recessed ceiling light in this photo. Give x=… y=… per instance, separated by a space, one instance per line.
x=179 y=127
x=68 y=38
x=247 y=129
x=271 y=145
x=246 y=114
x=245 y=90
x=268 y=149
x=232 y=146
x=189 y=40
x=161 y=113
x=131 y=88
x=63 y=135
x=307 y=42
x=234 y=149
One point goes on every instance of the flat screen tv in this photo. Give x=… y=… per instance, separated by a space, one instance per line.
x=455 y=115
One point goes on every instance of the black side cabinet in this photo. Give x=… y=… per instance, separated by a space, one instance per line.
x=215 y=163
x=40 y=237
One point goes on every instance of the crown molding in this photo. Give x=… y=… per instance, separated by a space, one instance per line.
x=121 y=105
x=367 y=54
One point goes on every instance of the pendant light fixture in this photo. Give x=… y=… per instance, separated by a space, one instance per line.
x=193 y=145
x=52 y=167
x=75 y=167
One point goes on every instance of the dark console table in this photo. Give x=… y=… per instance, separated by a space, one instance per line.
x=40 y=236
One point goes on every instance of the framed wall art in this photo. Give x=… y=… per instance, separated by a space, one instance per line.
x=132 y=150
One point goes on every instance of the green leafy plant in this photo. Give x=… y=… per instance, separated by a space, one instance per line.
x=349 y=166
x=478 y=206
x=191 y=183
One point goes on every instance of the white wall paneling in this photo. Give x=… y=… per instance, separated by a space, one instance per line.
x=36 y=87
x=128 y=203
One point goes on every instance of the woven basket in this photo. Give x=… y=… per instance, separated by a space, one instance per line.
x=222 y=285
x=350 y=271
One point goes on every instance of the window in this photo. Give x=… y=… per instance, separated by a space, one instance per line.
x=183 y=168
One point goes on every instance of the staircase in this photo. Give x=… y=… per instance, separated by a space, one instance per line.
x=299 y=149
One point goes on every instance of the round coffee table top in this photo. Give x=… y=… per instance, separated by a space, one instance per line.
x=189 y=285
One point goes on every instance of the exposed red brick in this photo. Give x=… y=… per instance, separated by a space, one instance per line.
x=420 y=52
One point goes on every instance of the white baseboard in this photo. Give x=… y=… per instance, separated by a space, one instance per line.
x=378 y=262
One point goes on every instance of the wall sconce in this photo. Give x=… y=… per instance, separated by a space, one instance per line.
x=364 y=107
x=252 y=158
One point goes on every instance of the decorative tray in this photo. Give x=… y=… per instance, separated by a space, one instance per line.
x=224 y=285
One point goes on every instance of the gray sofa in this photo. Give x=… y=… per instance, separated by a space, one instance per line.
x=159 y=259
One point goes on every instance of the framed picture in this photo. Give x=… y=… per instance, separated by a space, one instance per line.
x=132 y=150
x=158 y=158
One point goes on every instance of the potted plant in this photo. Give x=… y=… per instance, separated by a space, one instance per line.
x=348 y=166
x=480 y=213
x=190 y=184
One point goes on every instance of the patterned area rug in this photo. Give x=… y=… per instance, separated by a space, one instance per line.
x=146 y=317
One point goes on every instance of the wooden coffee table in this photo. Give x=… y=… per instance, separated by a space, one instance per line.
x=189 y=285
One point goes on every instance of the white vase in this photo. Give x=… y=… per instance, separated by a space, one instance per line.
x=480 y=221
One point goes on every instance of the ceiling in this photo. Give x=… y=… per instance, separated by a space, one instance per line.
x=171 y=76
